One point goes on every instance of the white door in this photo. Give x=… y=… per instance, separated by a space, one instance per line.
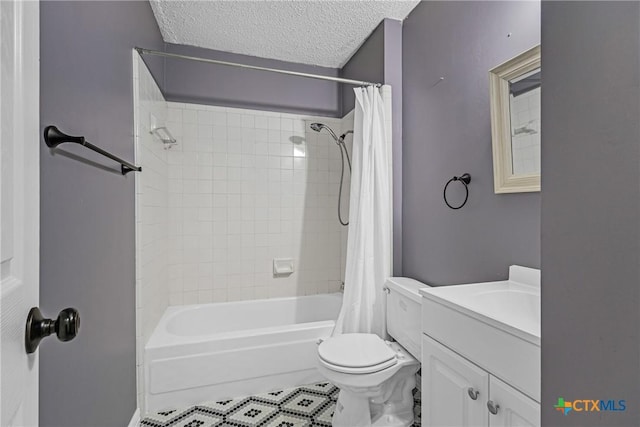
x=19 y=207
x=454 y=390
x=513 y=409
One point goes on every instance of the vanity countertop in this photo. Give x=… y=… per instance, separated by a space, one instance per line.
x=511 y=305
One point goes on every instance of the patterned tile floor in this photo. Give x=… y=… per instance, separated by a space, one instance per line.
x=306 y=406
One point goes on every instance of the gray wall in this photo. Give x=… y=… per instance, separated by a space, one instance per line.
x=379 y=59
x=393 y=77
x=447 y=131
x=590 y=209
x=367 y=64
x=87 y=213
x=201 y=83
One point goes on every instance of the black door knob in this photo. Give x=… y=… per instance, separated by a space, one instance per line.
x=65 y=326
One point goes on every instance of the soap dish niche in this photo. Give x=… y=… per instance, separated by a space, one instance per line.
x=282 y=267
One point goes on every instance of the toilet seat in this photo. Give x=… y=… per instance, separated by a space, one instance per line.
x=360 y=370
x=356 y=354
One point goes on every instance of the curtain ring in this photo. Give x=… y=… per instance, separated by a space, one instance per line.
x=465 y=179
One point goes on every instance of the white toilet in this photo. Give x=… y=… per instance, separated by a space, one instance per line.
x=376 y=377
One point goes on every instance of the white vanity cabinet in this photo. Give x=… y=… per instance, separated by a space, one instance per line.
x=446 y=382
x=515 y=408
x=481 y=353
x=457 y=393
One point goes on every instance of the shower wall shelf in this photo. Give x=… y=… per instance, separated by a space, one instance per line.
x=54 y=137
x=163 y=134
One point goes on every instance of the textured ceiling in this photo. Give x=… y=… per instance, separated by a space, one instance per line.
x=317 y=32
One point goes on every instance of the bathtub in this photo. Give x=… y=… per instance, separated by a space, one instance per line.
x=218 y=351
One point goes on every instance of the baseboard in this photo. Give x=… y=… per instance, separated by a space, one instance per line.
x=135 y=419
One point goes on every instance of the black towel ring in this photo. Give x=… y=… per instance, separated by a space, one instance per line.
x=465 y=179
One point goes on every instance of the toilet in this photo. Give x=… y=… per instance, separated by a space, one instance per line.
x=376 y=378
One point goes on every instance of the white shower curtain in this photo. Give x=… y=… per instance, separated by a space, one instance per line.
x=369 y=240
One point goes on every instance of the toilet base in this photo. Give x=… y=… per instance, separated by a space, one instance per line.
x=398 y=410
x=352 y=410
x=389 y=405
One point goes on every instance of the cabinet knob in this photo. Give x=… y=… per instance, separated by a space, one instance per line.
x=493 y=408
x=473 y=394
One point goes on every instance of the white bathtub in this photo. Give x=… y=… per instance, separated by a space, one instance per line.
x=217 y=351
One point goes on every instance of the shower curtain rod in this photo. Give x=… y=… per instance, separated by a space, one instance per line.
x=143 y=51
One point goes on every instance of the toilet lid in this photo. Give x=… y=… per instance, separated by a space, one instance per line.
x=357 y=351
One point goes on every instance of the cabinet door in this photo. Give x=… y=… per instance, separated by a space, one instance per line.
x=446 y=379
x=514 y=408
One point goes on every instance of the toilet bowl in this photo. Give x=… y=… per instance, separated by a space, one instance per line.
x=376 y=378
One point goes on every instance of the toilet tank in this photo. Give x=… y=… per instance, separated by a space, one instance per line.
x=404 y=310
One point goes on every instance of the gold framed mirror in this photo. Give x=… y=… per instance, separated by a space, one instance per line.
x=515 y=89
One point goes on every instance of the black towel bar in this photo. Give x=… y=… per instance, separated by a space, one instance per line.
x=53 y=137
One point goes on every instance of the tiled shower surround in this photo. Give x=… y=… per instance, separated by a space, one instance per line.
x=152 y=216
x=246 y=187
x=240 y=188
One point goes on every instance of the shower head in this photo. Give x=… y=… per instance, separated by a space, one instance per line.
x=319 y=126
x=343 y=154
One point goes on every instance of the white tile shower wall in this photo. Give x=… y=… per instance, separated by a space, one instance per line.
x=152 y=284
x=245 y=187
